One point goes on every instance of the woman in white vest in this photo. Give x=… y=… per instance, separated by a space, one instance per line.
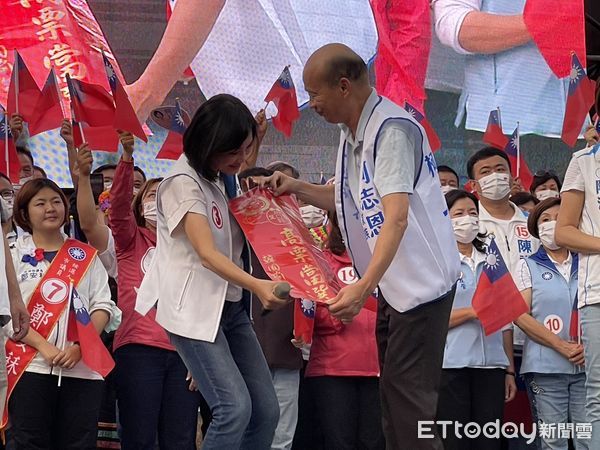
x=552 y=358
x=478 y=373
x=199 y=279
x=578 y=229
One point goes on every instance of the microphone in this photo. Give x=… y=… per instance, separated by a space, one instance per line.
x=282 y=291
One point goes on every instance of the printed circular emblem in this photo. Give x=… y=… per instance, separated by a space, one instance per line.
x=554 y=323
x=547 y=276
x=216 y=216
x=77 y=253
x=522 y=231
x=54 y=290
x=147 y=259
x=347 y=275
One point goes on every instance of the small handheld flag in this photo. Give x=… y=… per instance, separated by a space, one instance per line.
x=283 y=95
x=579 y=101
x=172 y=147
x=494 y=134
x=304 y=319
x=519 y=166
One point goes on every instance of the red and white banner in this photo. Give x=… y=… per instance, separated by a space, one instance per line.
x=283 y=244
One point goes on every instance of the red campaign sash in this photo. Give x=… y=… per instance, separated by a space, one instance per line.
x=47 y=303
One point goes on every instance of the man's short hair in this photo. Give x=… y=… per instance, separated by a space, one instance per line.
x=280 y=166
x=485 y=153
x=350 y=66
x=449 y=169
x=25 y=151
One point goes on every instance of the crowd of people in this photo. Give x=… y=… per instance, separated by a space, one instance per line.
x=195 y=325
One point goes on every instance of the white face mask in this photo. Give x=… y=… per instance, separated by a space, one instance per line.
x=465 y=228
x=447 y=188
x=150 y=211
x=547 y=193
x=22 y=181
x=312 y=216
x=546 y=231
x=495 y=186
x=7 y=208
x=107 y=186
x=135 y=191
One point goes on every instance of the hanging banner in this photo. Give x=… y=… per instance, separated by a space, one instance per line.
x=63 y=34
x=283 y=244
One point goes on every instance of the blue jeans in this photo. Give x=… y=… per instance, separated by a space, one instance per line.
x=154 y=398
x=557 y=398
x=234 y=379
x=590 y=324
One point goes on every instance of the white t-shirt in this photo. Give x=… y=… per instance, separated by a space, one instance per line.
x=177 y=191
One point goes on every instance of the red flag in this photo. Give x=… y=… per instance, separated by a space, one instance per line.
x=102 y=139
x=557 y=27
x=81 y=329
x=91 y=103
x=304 y=319
x=23 y=92
x=574 y=327
x=579 y=102
x=432 y=137
x=497 y=301
x=404 y=30
x=48 y=113
x=519 y=167
x=283 y=95
x=125 y=117
x=9 y=161
x=494 y=135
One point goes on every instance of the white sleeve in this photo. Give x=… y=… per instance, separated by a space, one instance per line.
x=573 y=178
x=109 y=256
x=99 y=295
x=523 y=278
x=449 y=16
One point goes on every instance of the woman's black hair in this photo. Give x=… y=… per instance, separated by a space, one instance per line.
x=451 y=198
x=221 y=125
x=542 y=177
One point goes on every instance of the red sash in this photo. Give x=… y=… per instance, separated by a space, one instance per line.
x=47 y=303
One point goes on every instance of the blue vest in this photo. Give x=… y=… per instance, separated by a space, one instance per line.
x=518 y=81
x=551 y=295
x=467 y=345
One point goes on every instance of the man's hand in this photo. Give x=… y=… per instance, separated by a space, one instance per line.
x=16 y=126
x=66 y=132
x=20 y=320
x=85 y=160
x=591 y=135
x=510 y=388
x=516 y=187
x=127 y=141
x=279 y=183
x=349 y=301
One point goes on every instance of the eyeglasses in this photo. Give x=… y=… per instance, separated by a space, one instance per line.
x=7 y=194
x=545 y=173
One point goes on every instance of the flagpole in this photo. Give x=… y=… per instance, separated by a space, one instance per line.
x=6 y=146
x=16 y=73
x=518 y=151
x=64 y=340
x=62 y=107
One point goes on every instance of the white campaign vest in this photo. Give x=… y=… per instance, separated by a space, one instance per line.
x=427 y=263
x=189 y=297
x=589 y=265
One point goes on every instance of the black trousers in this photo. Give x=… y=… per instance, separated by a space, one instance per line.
x=44 y=416
x=411 y=352
x=349 y=411
x=471 y=395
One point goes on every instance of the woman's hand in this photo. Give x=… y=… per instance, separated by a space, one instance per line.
x=68 y=357
x=66 y=132
x=510 y=388
x=193 y=385
x=265 y=290
x=85 y=159
x=49 y=352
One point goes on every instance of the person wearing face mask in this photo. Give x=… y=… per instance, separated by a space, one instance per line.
x=154 y=396
x=312 y=216
x=27 y=164
x=545 y=184
x=553 y=358
x=478 y=374
x=449 y=179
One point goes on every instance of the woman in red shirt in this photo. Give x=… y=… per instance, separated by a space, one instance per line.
x=343 y=366
x=152 y=392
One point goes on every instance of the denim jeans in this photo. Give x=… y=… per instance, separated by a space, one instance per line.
x=590 y=324
x=234 y=379
x=557 y=398
x=154 y=399
x=286 y=383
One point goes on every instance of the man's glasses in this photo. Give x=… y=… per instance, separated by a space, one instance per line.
x=7 y=194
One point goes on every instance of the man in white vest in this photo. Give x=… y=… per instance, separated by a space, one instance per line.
x=578 y=228
x=395 y=224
